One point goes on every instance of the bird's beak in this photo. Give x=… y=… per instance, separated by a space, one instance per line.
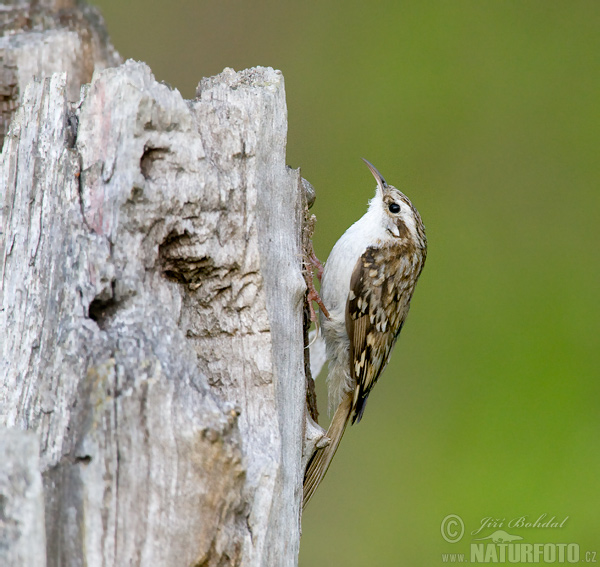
x=381 y=183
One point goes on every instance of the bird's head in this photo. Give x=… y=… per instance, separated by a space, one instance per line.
x=398 y=216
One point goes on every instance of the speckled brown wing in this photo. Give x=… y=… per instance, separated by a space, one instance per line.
x=381 y=286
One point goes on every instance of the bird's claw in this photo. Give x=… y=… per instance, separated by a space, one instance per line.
x=313 y=295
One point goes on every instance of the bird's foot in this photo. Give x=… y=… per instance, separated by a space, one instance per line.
x=313 y=294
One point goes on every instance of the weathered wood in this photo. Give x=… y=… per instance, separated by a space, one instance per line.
x=22 y=535
x=151 y=315
x=45 y=37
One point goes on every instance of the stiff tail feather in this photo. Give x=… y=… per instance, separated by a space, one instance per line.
x=320 y=461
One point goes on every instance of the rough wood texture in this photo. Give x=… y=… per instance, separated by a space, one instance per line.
x=22 y=536
x=45 y=37
x=151 y=316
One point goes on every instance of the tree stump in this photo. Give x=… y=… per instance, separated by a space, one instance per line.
x=152 y=319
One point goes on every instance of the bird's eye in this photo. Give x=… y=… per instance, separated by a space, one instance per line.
x=394 y=208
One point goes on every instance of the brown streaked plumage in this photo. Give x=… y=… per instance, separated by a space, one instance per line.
x=374 y=326
x=386 y=251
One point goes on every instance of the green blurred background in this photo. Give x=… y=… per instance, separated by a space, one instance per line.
x=487 y=114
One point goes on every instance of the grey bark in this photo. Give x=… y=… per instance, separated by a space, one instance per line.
x=152 y=318
x=49 y=36
x=22 y=535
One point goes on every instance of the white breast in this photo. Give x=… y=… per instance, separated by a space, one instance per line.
x=335 y=285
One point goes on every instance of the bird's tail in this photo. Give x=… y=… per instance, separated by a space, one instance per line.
x=320 y=461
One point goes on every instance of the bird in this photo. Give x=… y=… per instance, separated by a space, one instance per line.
x=367 y=285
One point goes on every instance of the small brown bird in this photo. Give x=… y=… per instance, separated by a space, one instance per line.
x=367 y=285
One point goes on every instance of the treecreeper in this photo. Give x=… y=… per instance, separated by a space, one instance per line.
x=367 y=285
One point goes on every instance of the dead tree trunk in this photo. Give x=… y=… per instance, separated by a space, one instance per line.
x=151 y=324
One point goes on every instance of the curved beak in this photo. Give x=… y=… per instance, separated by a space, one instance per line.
x=381 y=182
